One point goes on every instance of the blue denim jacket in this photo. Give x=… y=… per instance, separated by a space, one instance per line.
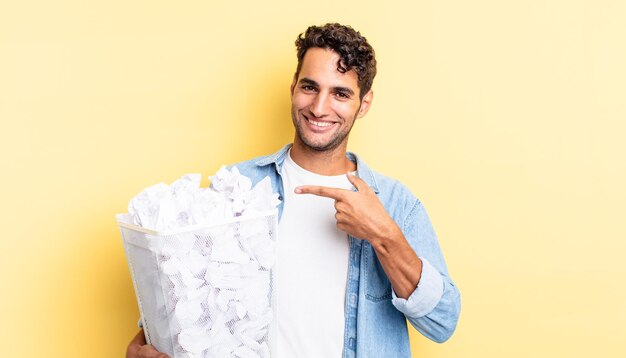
x=375 y=318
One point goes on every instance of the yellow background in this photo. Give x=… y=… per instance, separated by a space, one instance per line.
x=507 y=118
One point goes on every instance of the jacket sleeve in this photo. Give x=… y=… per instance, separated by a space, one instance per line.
x=434 y=306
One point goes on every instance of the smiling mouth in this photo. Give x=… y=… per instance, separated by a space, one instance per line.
x=319 y=123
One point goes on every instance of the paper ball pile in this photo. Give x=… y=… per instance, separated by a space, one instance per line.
x=184 y=203
x=216 y=281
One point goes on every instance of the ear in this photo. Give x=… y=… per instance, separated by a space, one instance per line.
x=293 y=83
x=366 y=102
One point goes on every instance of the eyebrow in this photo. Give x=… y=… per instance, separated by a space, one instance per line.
x=310 y=82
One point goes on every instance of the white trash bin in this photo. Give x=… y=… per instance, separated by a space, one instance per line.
x=206 y=291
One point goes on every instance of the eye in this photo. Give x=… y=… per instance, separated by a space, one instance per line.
x=342 y=95
x=308 y=88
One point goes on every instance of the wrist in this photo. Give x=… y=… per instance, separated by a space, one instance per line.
x=388 y=235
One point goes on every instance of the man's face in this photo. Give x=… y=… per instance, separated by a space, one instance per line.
x=325 y=102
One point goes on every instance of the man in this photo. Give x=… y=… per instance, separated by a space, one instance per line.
x=356 y=254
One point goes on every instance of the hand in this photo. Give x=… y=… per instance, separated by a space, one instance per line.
x=360 y=213
x=137 y=348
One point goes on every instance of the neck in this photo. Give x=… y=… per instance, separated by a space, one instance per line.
x=331 y=162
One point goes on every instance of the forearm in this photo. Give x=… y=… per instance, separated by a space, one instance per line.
x=401 y=264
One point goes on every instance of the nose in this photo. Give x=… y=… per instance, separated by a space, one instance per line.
x=321 y=105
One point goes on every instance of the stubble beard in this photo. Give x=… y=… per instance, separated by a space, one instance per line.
x=338 y=138
x=335 y=141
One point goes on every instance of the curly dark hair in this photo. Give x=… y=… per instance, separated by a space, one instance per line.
x=353 y=49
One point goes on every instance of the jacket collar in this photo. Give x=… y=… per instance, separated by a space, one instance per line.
x=362 y=170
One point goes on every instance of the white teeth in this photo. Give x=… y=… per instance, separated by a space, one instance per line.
x=320 y=124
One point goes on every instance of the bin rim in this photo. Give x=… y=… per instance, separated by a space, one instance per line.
x=123 y=221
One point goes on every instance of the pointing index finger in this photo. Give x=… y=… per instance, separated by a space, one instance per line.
x=334 y=193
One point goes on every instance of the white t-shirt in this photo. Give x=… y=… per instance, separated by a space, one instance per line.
x=311 y=269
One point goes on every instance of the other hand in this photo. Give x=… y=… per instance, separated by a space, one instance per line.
x=137 y=348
